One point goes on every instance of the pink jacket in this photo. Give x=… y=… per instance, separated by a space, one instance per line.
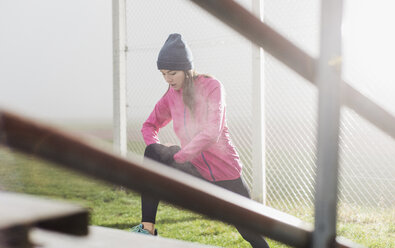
x=205 y=139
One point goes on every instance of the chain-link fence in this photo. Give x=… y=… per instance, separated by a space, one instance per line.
x=367 y=158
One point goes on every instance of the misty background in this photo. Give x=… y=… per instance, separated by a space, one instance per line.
x=56 y=59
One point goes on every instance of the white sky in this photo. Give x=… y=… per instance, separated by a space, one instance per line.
x=56 y=59
x=369 y=50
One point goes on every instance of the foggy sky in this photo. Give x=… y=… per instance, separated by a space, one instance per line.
x=56 y=59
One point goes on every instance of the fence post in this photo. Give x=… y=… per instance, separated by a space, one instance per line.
x=119 y=76
x=258 y=138
x=329 y=83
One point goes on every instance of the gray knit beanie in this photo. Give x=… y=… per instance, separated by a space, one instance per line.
x=175 y=54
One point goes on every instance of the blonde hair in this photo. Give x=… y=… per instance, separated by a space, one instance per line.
x=188 y=90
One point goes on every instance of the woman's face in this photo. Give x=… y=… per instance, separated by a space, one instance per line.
x=174 y=78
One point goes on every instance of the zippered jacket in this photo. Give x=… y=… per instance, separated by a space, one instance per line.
x=204 y=137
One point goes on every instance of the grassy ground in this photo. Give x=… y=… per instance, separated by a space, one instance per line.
x=113 y=207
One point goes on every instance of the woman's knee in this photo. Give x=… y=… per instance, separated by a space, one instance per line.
x=153 y=151
x=161 y=153
x=237 y=186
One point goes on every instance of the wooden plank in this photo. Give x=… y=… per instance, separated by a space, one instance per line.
x=102 y=237
x=26 y=210
x=248 y=25
x=152 y=178
x=166 y=183
x=328 y=81
x=15 y=237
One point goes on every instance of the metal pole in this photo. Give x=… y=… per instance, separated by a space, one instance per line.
x=258 y=113
x=119 y=76
x=329 y=83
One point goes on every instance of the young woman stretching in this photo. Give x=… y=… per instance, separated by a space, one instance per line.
x=196 y=104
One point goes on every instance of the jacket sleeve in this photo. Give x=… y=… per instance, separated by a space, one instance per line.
x=158 y=118
x=212 y=128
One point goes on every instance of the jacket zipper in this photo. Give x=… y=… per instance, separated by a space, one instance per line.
x=204 y=159
x=209 y=168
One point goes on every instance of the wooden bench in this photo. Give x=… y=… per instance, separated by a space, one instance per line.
x=20 y=212
x=28 y=221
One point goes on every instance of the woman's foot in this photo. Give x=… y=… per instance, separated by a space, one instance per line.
x=150 y=227
x=141 y=228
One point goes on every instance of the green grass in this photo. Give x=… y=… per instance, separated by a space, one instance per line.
x=111 y=206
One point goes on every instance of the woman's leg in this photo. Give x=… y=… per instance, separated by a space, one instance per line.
x=164 y=155
x=238 y=186
x=149 y=207
x=149 y=204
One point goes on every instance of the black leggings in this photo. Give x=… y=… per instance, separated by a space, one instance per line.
x=164 y=154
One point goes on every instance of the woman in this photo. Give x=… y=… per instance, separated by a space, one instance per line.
x=196 y=104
